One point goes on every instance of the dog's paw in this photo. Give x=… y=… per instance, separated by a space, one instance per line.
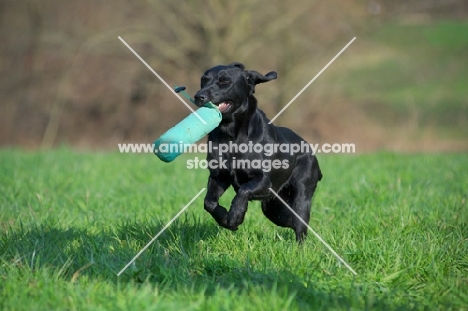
x=225 y=223
x=232 y=228
x=234 y=220
x=220 y=214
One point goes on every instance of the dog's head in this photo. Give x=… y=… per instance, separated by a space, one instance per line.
x=229 y=86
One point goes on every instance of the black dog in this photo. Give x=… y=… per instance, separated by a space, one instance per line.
x=294 y=177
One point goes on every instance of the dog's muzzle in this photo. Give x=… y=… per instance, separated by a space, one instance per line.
x=224 y=106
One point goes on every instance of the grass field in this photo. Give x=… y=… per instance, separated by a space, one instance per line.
x=70 y=221
x=407 y=77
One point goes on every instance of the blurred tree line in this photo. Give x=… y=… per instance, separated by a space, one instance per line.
x=66 y=78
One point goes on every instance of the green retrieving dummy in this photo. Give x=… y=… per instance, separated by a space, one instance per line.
x=187 y=132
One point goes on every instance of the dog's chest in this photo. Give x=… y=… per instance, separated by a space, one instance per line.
x=232 y=166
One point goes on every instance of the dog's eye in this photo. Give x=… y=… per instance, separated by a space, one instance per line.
x=204 y=80
x=224 y=81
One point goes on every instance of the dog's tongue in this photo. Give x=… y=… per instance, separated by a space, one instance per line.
x=223 y=106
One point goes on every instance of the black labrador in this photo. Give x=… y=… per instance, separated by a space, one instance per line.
x=293 y=176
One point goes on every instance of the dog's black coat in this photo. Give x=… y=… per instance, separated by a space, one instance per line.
x=231 y=88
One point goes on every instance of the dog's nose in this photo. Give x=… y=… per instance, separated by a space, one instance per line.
x=201 y=98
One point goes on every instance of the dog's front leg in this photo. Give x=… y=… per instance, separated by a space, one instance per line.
x=255 y=188
x=216 y=188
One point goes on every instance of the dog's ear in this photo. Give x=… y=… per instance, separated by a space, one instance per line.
x=257 y=78
x=237 y=64
x=253 y=78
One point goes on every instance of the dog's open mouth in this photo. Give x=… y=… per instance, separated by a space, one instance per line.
x=224 y=106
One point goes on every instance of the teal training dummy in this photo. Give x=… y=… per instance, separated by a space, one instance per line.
x=187 y=132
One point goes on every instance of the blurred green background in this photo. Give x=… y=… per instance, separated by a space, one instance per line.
x=66 y=79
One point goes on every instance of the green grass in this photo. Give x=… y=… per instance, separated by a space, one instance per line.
x=70 y=221
x=411 y=73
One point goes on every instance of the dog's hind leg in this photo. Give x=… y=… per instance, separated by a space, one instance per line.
x=301 y=205
x=304 y=181
x=299 y=201
x=298 y=195
x=276 y=211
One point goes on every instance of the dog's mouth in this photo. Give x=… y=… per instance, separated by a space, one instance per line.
x=224 y=106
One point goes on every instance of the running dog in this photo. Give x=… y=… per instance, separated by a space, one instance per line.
x=294 y=177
